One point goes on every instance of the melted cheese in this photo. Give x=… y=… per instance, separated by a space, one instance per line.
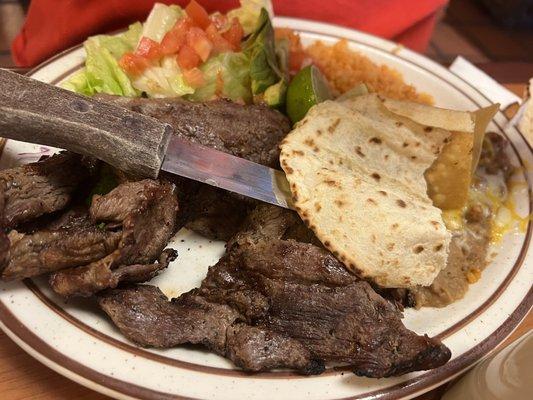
x=500 y=198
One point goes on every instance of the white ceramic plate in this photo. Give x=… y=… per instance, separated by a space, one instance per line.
x=79 y=342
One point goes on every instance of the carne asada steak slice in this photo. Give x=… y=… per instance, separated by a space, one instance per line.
x=149 y=211
x=247 y=131
x=216 y=213
x=122 y=201
x=294 y=298
x=144 y=315
x=31 y=190
x=267 y=221
x=89 y=279
x=70 y=242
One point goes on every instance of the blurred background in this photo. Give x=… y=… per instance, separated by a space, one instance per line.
x=496 y=35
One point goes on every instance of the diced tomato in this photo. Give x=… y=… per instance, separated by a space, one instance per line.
x=187 y=58
x=194 y=77
x=234 y=34
x=197 y=40
x=176 y=37
x=133 y=64
x=220 y=21
x=149 y=49
x=198 y=14
x=220 y=45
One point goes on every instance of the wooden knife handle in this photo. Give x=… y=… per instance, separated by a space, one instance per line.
x=37 y=112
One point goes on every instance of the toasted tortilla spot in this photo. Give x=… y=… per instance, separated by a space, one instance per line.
x=382 y=192
x=333 y=126
x=438 y=247
x=401 y=203
x=428 y=129
x=376 y=176
x=358 y=151
x=310 y=142
x=318 y=207
x=372 y=201
x=340 y=203
x=418 y=249
x=375 y=140
x=298 y=153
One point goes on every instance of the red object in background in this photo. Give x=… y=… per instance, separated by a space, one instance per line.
x=54 y=25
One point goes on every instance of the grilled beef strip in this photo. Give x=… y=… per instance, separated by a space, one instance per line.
x=31 y=190
x=216 y=213
x=71 y=241
x=247 y=131
x=146 y=213
x=144 y=315
x=273 y=303
x=106 y=273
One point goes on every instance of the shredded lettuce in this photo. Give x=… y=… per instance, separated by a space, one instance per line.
x=249 y=11
x=226 y=75
x=161 y=19
x=102 y=73
x=163 y=80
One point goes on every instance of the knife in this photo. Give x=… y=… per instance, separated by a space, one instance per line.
x=36 y=112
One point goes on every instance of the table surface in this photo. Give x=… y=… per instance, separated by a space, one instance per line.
x=23 y=377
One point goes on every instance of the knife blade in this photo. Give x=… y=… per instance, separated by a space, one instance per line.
x=226 y=171
x=36 y=112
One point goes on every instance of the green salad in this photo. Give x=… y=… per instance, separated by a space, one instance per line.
x=191 y=54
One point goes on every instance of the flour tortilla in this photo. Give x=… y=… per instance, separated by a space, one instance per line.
x=356 y=171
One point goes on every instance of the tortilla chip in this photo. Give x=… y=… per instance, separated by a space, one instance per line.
x=356 y=171
x=451 y=120
x=449 y=178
